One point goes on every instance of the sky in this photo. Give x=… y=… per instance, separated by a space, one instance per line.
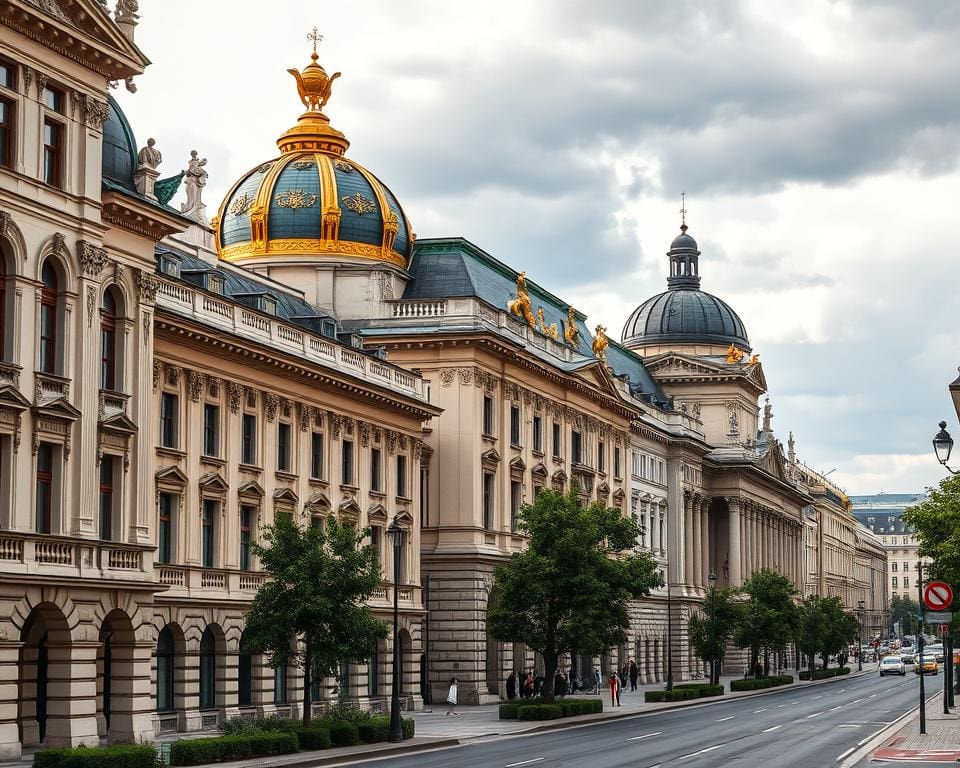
x=817 y=142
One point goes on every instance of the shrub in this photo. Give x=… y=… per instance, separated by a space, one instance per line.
x=540 y=712
x=344 y=734
x=757 y=683
x=824 y=674
x=702 y=689
x=237 y=725
x=677 y=694
x=375 y=730
x=509 y=711
x=278 y=723
x=313 y=737
x=342 y=712
x=220 y=749
x=409 y=727
x=114 y=756
x=575 y=707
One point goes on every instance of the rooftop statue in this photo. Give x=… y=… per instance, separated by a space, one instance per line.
x=195 y=179
x=600 y=343
x=734 y=354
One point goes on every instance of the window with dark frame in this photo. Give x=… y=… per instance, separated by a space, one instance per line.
x=424 y=496
x=106 y=498
x=168 y=420
x=165 y=529
x=283 y=447
x=49 y=295
x=8 y=75
x=3 y=306
x=601 y=457
x=376 y=470
x=44 y=501
x=516 y=499
x=376 y=537
x=247 y=518
x=52 y=153
x=515 y=425
x=556 y=440
x=401 y=476
x=487 y=415
x=8 y=132
x=538 y=434
x=346 y=462
x=488 y=500
x=211 y=429
x=208 y=540
x=248 y=439
x=316 y=456
x=108 y=342
x=576 y=447
x=53 y=98
x=616 y=461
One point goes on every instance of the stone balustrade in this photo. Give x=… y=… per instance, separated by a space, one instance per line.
x=250 y=324
x=31 y=553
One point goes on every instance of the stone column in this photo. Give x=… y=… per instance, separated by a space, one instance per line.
x=131 y=700
x=9 y=695
x=735 y=534
x=697 y=548
x=71 y=694
x=687 y=538
x=705 y=542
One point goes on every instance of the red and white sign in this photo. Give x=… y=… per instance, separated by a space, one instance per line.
x=937 y=596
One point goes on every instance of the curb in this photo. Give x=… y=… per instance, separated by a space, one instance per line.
x=868 y=745
x=321 y=760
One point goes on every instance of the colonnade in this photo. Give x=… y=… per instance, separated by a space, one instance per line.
x=761 y=537
x=652 y=514
x=696 y=539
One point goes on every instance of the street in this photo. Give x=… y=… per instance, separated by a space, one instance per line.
x=812 y=727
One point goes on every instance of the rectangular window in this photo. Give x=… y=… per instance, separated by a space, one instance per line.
x=316 y=456
x=44 y=511
x=53 y=99
x=247 y=517
x=168 y=420
x=538 y=434
x=108 y=351
x=906 y=566
x=516 y=498
x=488 y=500
x=279 y=685
x=7 y=133
x=601 y=457
x=424 y=496
x=376 y=481
x=248 y=439
x=893 y=567
x=48 y=330
x=376 y=538
x=576 y=448
x=401 y=476
x=165 y=529
x=283 y=447
x=894 y=581
x=487 y=415
x=906 y=582
x=8 y=75
x=346 y=462
x=106 y=498
x=52 y=153
x=616 y=461
x=207 y=523
x=556 y=440
x=515 y=425
x=211 y=429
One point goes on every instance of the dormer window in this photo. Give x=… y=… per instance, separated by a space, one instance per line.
x=329 y=329
x=170 y=266
x=267 y=304
x=215 y=283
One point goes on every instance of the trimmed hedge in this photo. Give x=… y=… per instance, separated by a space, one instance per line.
x=575 y=707
x=375 y=730
x=758 y=683
x=344 y=734
x=313 y=737
x=114 y=756
x=677 y=694
x=540 y=712
x=702 y=689
x=824 y=674
x=513 y=710
x=409 y=727
x=219 y=749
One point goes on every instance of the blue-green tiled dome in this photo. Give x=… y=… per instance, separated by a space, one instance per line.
x=119 y=152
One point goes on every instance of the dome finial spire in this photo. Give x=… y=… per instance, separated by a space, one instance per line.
x=683 y=211
x=313 y=83
x=314 y=38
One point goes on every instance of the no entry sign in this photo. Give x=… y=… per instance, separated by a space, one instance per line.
x=937 y=596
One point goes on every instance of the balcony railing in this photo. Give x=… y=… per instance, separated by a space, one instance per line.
x=73 y=556
x=47 y=386
x=250 y=324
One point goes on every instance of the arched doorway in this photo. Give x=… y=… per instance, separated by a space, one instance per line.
x=46 y=647
x=407 y=681
x=115 y=675
x=244 y=673
x=208 y=669
x=170 y=652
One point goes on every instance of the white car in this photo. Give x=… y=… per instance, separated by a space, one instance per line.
x=892 y=665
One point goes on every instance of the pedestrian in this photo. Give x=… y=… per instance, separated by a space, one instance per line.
x=528 y=686
x=452 y=698
x=596 y=679
x=634 y=675
x=614 y=690
x=512 y=685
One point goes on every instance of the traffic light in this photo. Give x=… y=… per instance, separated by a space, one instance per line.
x=921 y=643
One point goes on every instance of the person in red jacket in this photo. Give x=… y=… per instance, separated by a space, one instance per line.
x=614 y=690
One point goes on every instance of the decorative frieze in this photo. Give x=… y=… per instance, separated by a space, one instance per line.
x=95 y=112
x=147 y=284
x=91 y=304
x=157 y=373
x=235 y=391
x=92 y=258
x=196 y=385
x=271 y=402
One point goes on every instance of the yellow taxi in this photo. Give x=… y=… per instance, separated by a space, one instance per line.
x=926 y=665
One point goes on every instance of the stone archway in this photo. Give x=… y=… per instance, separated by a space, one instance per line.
x=407 y=668
x=116 y=675
x=45 y=689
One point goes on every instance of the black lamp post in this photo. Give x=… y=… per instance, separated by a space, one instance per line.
x=942 y=446
x=859 y=635
x=712 y=578
x=397 y=535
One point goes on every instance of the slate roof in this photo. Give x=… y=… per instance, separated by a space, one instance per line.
x=905 y=499
x=689 y=316
x=882 y=521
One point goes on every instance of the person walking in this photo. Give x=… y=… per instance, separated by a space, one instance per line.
x=452 y=698
x=596 y=679
x=512 y=685
x=528 y=686
x=634 y=675
x=614 y=690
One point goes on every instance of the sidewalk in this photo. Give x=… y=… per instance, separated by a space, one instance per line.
x=940 y=744
x=479 y=721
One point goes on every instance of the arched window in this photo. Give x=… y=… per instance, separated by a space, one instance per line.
x=166 y=658
x=108 y=341
x=3 y=306
x=244 y=674
x=49 y=318
x=208 y=669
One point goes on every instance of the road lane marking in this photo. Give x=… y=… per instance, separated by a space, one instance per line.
x=694 y=754
x=815 y=714
x=767 y=730
x=856 y=701
x=818 y=697
x=781 y=706
x=525 y=762
x=834 y=709
x=645 y=736
x=845 y=754
x=841 y=690
x=725 y=718
x=758 y=711
x=872 y=696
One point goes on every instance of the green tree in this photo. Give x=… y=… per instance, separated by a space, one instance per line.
x=311 y=612
x=810 y=629
x=904 y=610
x=937 y=523
x=768 y=617
x=839 y=628
x=711 y=630
x=568 y=590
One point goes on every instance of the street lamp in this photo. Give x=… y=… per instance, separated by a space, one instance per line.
x=942 y=446
x=397 y=535
x=860 y=635
x=712 y=578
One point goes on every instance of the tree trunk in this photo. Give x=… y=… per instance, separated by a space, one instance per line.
x=754 y=658
x=550 y=660
x=812 y=660
x=307 y=683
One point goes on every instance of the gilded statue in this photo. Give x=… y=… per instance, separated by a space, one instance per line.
x=754 y=360
x=600 y=343
x=570 y=331
x=548 y=330
x=734 y=354
x=521 y=306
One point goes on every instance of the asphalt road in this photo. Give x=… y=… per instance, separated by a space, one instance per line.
x=814 y=727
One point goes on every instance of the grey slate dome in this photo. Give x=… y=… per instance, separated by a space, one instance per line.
x=684 y=314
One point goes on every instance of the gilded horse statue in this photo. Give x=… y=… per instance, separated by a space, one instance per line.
x=570 y=331
x=521 y=306
x=549 y=330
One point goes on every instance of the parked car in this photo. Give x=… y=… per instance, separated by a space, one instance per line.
x=892 y=665
x=926 y=665
x=935 y=650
